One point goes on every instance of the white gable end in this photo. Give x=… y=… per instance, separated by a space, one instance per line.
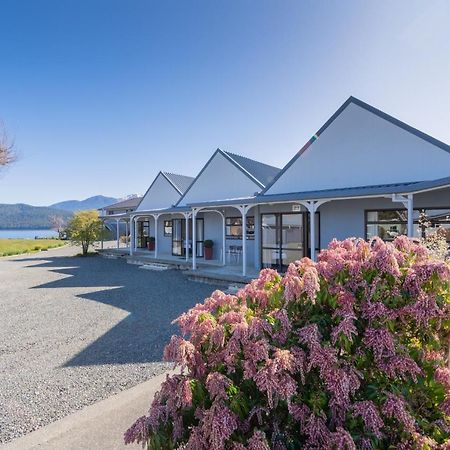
x=219 y=180
x=360 y=148
x=161 y=194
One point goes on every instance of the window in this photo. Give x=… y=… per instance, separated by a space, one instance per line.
x=167 y=228
x=233 y=227
x=389 y=223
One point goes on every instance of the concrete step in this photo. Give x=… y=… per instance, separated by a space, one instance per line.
x=221 y=279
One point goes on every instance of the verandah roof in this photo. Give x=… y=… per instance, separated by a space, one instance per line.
x=334 y=194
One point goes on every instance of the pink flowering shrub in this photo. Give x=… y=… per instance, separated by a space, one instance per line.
x=346 y=353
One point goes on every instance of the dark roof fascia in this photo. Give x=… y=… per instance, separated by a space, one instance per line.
x=362 y=191
x=369 y=108
x=430 y=184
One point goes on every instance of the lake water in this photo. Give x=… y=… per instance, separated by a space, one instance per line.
x=27 y=234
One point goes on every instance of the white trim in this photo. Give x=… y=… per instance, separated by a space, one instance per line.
x=312 y=206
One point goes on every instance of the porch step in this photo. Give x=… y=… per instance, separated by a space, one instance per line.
x=145 y=261
x=134 y=261
x=109 y=256
x=155 y=266
x=112 y=255
x=220 y=279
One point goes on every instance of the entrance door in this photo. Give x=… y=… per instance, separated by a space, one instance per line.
x=179 y=237
x=143 y=232
x=178 y=232
x=285 y=239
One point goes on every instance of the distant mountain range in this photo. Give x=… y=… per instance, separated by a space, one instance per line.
x=99 y=201
x=22 y=216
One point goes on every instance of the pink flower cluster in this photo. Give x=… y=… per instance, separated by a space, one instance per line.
x=346 y=353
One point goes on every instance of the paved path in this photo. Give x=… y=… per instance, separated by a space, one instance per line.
x=96 y=427
x=74 y=331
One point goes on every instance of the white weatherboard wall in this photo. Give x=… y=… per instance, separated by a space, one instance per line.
x=160 y=195
x=361 y=149
x=220 y=180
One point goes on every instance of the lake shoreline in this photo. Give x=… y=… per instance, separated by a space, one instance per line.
x=27 y=233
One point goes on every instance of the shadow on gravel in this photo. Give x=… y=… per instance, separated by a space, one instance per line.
x=153 y=300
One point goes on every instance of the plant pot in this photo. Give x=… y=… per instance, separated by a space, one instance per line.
x=208 y=253
x=151 y=245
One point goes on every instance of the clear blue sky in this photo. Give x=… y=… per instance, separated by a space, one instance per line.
x=100 y=95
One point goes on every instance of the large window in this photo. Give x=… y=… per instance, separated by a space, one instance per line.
x=389 y=223
x=167 y=228
x=233 y=227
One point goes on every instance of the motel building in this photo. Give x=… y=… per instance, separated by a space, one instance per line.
x=363 y=174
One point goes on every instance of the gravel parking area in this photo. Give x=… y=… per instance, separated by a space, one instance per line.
x=76 y=330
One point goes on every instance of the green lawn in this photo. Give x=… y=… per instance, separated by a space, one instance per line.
x=17 y=246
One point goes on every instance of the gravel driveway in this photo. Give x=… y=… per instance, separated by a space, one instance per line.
x=76 y=330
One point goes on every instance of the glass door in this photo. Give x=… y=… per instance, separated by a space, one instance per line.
x=270 y=241
x=292 y=239
x=178 y=232
x=199 y=237
x=179 y=237
x=284 y=239
x=143 y=229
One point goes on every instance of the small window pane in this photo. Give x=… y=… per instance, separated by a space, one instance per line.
x=233 y=227
x=168 y=228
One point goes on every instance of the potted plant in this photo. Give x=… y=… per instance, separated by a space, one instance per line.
x=151 y=243
x=208 y=244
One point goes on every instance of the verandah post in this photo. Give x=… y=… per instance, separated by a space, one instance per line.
x=194 y=239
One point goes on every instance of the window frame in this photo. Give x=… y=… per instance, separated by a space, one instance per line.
x=250 y=231
x=398 y=222
x=165 y=226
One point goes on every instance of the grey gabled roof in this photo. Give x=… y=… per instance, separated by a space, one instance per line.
x=249 y=167
x=179 y=182
x=371 y=109
x=128 y=203
x=262 y=172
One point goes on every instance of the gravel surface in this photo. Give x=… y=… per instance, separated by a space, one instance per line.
x=76 y=330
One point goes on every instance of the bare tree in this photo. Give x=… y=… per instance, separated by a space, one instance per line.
x=58 y=224
x=7 y=155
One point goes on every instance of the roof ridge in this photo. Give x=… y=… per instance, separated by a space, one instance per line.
x=250 y=159
x=177 y=174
